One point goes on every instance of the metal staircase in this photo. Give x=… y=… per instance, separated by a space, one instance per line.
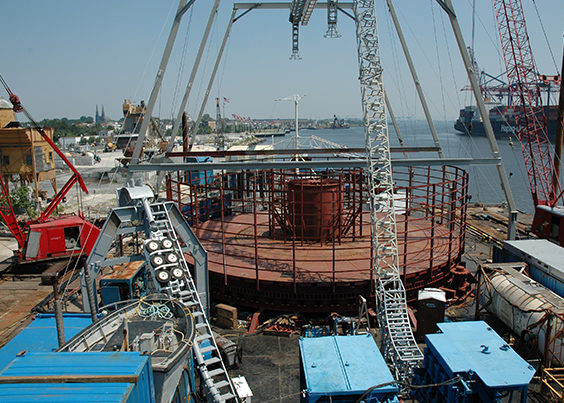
x=215 y=379
x=398 y=344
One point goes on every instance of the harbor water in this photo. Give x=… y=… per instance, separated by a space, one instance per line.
x=484 y=181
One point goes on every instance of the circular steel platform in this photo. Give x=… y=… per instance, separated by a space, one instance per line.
x=255 y=263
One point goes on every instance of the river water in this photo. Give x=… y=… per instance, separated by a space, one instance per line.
x=484 y=185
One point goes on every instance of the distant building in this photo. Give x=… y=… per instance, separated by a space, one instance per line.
x=100 y=117
x=23 y=151
x=104 y=133
x=66 y=142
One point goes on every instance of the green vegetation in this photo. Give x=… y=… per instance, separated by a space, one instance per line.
x=72 y=127
x=21 y=201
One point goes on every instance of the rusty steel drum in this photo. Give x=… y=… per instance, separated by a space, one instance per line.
x=314 y=208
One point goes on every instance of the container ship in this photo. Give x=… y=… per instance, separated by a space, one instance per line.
x=502 y=118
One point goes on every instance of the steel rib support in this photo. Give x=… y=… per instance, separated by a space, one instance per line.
x=183 y=6
x=398 y=344
x=335 y=163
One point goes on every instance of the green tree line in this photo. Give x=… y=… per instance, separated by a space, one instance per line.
x=71 y=127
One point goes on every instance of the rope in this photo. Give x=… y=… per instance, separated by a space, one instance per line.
x=438 y=54
x=82 y=249
x=545 y=36
x=155 y=311
x=176 y=92
x=145 y=68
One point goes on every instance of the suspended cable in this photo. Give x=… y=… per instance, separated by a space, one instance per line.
x=431 y=2
x=399 y=84
x=142 y=79
x=430 y=64
x=224 y=63
x=545 y=36
x=473 y=23
x=175 y=95
x=455 y=84
x=155 y=44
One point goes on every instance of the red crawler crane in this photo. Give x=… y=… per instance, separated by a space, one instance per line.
x=48 y=238
x=522 y=77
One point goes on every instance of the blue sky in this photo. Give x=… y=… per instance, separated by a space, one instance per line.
x=64 y=57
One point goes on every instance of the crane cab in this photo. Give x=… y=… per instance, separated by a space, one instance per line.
x=55 y=238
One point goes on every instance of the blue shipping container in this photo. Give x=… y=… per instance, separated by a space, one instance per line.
x=469 y=362
x=41 y=335
x=342 y=368
x=57 y=366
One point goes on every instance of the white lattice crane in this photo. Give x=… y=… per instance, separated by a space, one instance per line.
x=398 y=344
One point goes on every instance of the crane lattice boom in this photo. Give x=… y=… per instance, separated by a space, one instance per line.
x=398 y=343
x=529 y=115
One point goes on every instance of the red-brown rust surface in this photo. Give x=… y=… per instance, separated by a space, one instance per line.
x=314 y=261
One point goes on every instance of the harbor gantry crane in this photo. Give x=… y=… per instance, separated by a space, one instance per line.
x=398 y=344
x=522 y=75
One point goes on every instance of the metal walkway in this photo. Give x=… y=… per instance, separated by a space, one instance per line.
x=170 y=272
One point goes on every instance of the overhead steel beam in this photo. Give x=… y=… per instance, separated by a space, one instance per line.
x=211 y=80
x=292 y=151
x=176 y=127
x=183 y=6
x=396 y=126
x=503 y=178
x=415 y=78
x=352 y=163
x=282 y=6
x=212 y=16
x=344 y=12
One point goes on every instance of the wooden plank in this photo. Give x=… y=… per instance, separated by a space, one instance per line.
x=226 y=316
x=69 y=379
x=20 y=285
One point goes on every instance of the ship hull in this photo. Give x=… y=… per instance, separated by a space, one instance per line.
x=501 y=130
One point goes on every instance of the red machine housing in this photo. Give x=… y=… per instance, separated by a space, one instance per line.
x=548 y=223
x=66 y=236
x=46 y=237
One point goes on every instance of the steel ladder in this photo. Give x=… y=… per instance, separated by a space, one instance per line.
x=216 y=380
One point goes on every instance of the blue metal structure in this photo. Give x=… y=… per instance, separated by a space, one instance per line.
x=167 y=237
x=203 y=177
x=96 y=377
x=477 y=360
x=41 y=335
x=342 y=369
x=126 y=282
x=209 y=208
x=544 y=258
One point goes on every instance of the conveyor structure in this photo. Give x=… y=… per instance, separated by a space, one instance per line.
x=165 y=231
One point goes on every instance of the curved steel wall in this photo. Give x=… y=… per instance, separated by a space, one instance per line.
x=258 y=258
